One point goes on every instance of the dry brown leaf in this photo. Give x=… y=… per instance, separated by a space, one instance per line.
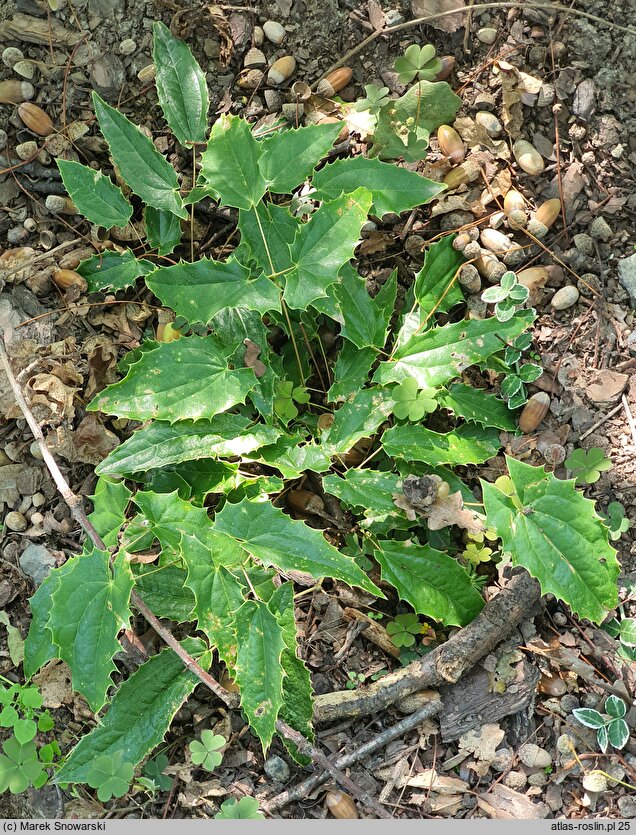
x=606 y=386
x=375 y=242
x=512 y=109
x=450 y=510
x=482 y=743
x=503 y=803
x=448 y=23
x=376 y=15
x=251 y=360
x=55 y=683
x=101 y=354
x=50 y=400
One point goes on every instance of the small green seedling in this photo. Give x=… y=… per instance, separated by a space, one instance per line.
x=418 y=63
x=245 y=809
x=376 y=98
x=111 y=775
x=507 y=296
x=625 y=632
x=154 y=772
x=286 y=397
x=413 y=402
x=354 y=680
x=611 y=728
x=616 y=520
x=20 y=767
x=587 y=465
x=206 y=753
x=403 y=630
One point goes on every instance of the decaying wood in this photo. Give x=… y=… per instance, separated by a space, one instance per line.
x=23 y=27
x=373 y=631
x=446 y=663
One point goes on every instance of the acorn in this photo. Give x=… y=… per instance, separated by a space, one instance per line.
x=147 y=73
x=513 y=201
x=490 y=268
x=14 y=92
x=552 y=686
x=448 y=65
x=250 y=79
x=450 y=144
x=464 y=173
x=341 y=805
x=281 y=70
x=69 y=278
x=58 y=204
x=548 y=212
x=35 y=118
x=534 y=278
x=461 y=241
x=305 y=501
x=334 y=81
x=565 y=297
x=528 y=158
x=495 y=241
x=533 y=412
x=469 y=278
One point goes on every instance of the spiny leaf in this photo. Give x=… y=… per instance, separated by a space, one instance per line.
x=267 y=233
x=230 y=164
x=432 y=582
x=477 y=405
x=161 y=444
x=163 y=230
x=110 y=500
x=113 y=270
x=365 y=321
x=350 y=371
x=369 y=489
x=436 y=286
x=272 y=537
x=198 y=291
x=95 y=196
x=145 y=171
x=140 y=713
x=289 y=157
x=293 y=457
x=186 y=379
x=356 y=419
x=164 y=591
x=394 y=189
x=557 y=537
x=258 y=671
x=181 y=87
x=38 y=645
x=89 y=607
x=468 y=444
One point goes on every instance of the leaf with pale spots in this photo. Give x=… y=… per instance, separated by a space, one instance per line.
x=186 y=379
x=259 y=672
x=358 y=418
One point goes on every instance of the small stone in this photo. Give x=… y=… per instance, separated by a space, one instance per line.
x=26 y=69
x=273 y=100
x=276 y=768
x=515 y=780
x=538 y=778
x=487 y=35
x=584 y=243
x=627 y=276
x=533 y=756
x=502 y=760
x=392 y=17
x=15 y=521
x=274 y=32
x=554 y=797
x=627 y=806
x=584 y=102
x=565 y=297
x=38 y=499
x=107 y=76
x=17 y=235
x=618 y=151
x=36 y=561
x=3 y=139
x=600 y=229
x=11 y=55
x=414 y=246
x=127 y=47
x=489 y=122
x=27 y=150
x=595 y=782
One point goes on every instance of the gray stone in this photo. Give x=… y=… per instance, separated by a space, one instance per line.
x=584 y=102
x=627 y=806
x=627 y=276
x=554 y=797
x=277 y=769
x=600 y=229
x=36 y=561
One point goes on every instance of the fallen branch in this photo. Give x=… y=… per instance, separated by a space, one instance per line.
x=74 y=503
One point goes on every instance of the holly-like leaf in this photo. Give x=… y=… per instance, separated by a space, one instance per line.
x=181 y=86
x=438 y=355
x=394 y=189
x=89 y=607
x=38 y=645
x=289 y=157
x=365 y=320
x=191 y=379
x=110 y=500
x=148 y=174
x=95 y=196
x=163 y=230
x=258 y=671
x=293 y=457
x=165 y=592
x=199 y=290
x=140 y=713
x=350 y=371
x=323 y=245
x=113 y=270
x=468 y=444
x=478 y=406
x=230 y=164
x=267 y=233
x=436 y=286
x=368 y=489
x=273 y=538
x=160 y=444
x=557 y=537
x=358 y=418
x=433 y=583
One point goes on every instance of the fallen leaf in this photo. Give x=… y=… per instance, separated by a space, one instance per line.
x=502 y=803
x=606 y=386
x=448 y=23
x=482 y=743
x=251 y=360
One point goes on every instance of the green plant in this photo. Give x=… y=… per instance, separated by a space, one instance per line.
x=507 y=296
x=245 y=809
x=376 y=98
x=191 y=506
x=20 y=766
x=516 y=374
x=403 y=630
x=413 y=402
x=206 y=753
x=418 y=62
x=611 y=728
x=354 y=680
x=616 y=520
x=587 y=465
x=154 y=773
x=625 y=631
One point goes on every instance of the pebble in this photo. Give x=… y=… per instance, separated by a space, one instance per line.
x=565 y=297
x=554 y=797
x=127 y=47
x=600 y=229
x=627 y=276
x=25 y=69
x=392 y=17
x=584 y=102
x=11 y=55
x=15 y=521
x=274 y=32
x=273 y=100
x=17 y=235
x=595 y=782
x=487 y=35
x=515 y=780
x=539 y=778
x=584 y=243
x=627 y=806
x=27 y=150
x=489 y=122
x=36 y=561
x=276 y=768
x=533 y=756
x=3 y=139
x=107 y=75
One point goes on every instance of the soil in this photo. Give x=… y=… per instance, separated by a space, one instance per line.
x=586 y=87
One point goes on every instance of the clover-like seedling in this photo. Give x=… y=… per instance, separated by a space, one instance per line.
x=206 y=753
x=616 y=520
x=507 y=296
x=286 y=396
x=412 y=402
x=611 y=728
x=20 y=767
x=245 y=809
x=376 y=98
x=110 y=775
x=154 y=769
x=475 y=553
x=418 y=62
x=587 y=465
x=403 y=630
